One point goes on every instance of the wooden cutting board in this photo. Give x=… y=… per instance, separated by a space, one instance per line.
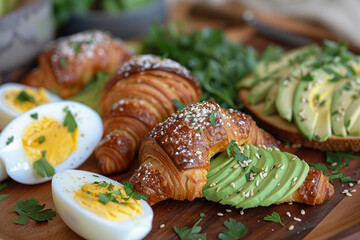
x=335 y=219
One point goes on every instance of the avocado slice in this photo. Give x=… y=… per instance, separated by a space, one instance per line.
x=355 y=128
x=217 y=164
x=311 y=101
x=351 y=114
x=270 y=182
x=269 y=106
x=265 y=162
x=341 y=99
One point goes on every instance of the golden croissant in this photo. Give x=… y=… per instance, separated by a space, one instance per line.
x=68 y=64
x=139 y=96
x=175 y=155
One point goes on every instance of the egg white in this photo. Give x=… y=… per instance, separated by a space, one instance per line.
x=86 y=223
x=6 y=112
x=14 y=157
x=3 y=173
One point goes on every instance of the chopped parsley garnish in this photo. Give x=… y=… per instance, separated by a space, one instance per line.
x=34 y=116
x=274 y=217
x=247 y=175
x=102 y=184
x=179 y=105
x=3 y=196
x=256 y=170
x=25 y=97
x=43 y=167
x=308 y=77
x=192 y=233
x=76 y=46
x=89 y=42
x=110 y=187
x=238 y=155
x=95 y=176
x=212 y=118
x=41 y=139
x=62 y=62
x=32 y=209
x=202 y=215
x=128 y=186
x=9 y=140
x=199 y=129
x=70 y=121
x=234 y=230
x=104 y=198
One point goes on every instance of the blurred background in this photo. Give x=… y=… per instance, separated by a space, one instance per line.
x=26 y=25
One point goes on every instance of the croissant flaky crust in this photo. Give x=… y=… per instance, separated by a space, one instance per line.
x=175 y=155
x=68 y=64
x=139 y=96
x=315 y=189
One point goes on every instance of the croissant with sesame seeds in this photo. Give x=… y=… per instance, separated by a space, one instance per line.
x=175 y=155
x=139 y=96
x=68 y=64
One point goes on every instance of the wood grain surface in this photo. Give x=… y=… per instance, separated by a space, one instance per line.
x=337 y=218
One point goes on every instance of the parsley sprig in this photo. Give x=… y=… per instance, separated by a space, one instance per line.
x=128 y=186
x=43 y=167
x=274 y=217
x=32 y=209
x=2 y=187
x=25 y=97
x=192 y=233
x=236 y=151
x=70 y=121
x=234 y=230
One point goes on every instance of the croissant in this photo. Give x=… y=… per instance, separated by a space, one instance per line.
x=139 y=96
x=175 y=155
x=68 y=64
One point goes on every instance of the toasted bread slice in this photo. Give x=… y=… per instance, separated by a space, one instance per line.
x=287 y=130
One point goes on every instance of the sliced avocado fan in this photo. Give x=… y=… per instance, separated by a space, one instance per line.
x=264 y=176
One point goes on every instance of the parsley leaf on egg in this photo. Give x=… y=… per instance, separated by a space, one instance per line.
x=274 y=217
x=128 y=186
x=3 y=196
x=34 y=116
x=234 y=230
x=32 y=209
x=9 y=140
x=193 y=233
x=104 y=198
x=70 y=121
x=25 y=97
x=43 y=167
x=102 y=184
x=41 y=139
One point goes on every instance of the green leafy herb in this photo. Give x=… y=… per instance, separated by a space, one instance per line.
x=104 y=198
x=319 y=166
x=347 y=179
x=41 y=139
x=25 y=97
x=199 y=129
x=213 y=59
x=103 y=184
x=247 y=175
x=3 y=186
x=76 y=46
x=110 y=187
x=347 y=123
x=193 y=233
x=34 y=116
x=308 y=77
x=95 y=176
x=42 y=166
x=256 y=170
x=179 y=105
x=202 y=215
x=63 y=62
x=3 y=196
x=32 y=209
x=274 y=217
x=128 y=189
x=212 y=118
x=238 y=155
x=9 y=140
x=234 y=230
x=70 y=122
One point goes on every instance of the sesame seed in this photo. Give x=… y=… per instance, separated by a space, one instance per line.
x=162 y=225
x=257 y=155
x=220 y=214
x=243 y=194
x=293 y=159
x=297 y=219
x=288 y=214
x=334 y=164
x=291 y=227
x=302 y=212
x=279 y=165
x=162 y=132
x=348 y=194
x=257 y=182
x=240 y=189
x=252 y=192
x=282 y=167
x=236 y=166
x=228 y=210
x=232 y=184
x=290 y=203
x=351 y=184
x=276 y=176
x=353 y=190
x=241 y=212
x=218 y=189
x=345 y=191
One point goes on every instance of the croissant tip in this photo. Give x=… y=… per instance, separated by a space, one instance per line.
x=330 y=191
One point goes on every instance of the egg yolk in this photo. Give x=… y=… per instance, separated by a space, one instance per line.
x=51 y=136
x=10 y=99
x=116 y=210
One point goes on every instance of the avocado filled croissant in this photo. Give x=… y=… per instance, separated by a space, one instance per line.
x=175 y=159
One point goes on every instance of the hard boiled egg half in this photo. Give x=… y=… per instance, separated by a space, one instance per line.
x=47 y=139
x=96 y=207
x=16 y=99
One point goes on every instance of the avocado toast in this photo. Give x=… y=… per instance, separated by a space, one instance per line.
x=313 y=100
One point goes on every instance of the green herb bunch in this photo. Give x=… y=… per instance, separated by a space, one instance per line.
x=216 y=62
